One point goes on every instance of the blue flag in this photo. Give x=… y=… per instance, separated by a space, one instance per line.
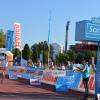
x=9 y=40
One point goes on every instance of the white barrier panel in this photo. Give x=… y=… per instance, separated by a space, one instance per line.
x=34 y=82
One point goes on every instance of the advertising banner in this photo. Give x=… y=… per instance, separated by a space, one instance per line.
x=9 y=40
x=17 y=27
x=13 y=76
x=70 y=81
x=50 y=76
x=91 y=85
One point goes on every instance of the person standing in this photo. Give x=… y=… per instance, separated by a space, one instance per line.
x=5 y=69
x=86 y=75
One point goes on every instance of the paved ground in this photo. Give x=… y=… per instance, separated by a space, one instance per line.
x=15 y=90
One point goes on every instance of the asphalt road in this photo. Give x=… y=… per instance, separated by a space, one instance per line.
x=15 y=90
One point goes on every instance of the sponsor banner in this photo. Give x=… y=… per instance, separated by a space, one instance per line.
x=17 y=27
x=35 y=82
x=26 y=76
x=71 y=80
x=9 y=40
x=13 y=76
x=91 y=85
x=38 y=74
x=61 y=85
x=50 y=76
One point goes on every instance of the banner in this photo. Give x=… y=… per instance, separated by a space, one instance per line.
x=70 y=81
x=13 y=76
x=50 y=76
x=91 y=85
x=17 y=35
x=9 y=40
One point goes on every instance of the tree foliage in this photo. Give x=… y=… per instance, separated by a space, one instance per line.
x=62 y=58
x=41 y=48
x=2 y=39
x=16 y=53
x=26 y=52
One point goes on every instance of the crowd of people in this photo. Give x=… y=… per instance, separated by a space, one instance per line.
x=85 y=67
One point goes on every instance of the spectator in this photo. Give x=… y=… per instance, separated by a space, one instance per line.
x=51 y=66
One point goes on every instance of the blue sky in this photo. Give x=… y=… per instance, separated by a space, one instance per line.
x=34 y=14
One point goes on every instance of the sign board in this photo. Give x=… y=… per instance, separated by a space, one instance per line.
x=35 y=82
x=71 y=80
x=50 y=76
x=86 y=47
x=13 y=76
x=87 y=30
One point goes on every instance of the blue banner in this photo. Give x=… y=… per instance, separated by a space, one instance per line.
x=9 y=40
x=12 y=76
x=71 y=81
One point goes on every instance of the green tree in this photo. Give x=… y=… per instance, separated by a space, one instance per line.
x=79 y=57
x=16 y=53
x=41 y=47
x=62 y=58
x=89 y=55
x=34 y=49
x=71 y=55
x=26 y=52
x=2 y=39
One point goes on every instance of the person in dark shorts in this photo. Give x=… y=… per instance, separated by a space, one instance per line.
x=86 y=75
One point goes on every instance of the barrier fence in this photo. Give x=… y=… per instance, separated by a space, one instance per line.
x=62 y=80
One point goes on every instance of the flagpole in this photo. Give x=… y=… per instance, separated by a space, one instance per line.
x=49 y=38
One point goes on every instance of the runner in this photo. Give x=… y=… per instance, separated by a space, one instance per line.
x=86 y=75
x=4 y=69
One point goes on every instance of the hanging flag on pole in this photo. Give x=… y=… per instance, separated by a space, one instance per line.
x=9 y=40
x=17 y=28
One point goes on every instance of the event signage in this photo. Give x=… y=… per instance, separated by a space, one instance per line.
x=87 y=31
x=70 y=81
x=12 y=76
x=17 y=27
x=86 y=47
x=9 y=40
x=50 y=76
